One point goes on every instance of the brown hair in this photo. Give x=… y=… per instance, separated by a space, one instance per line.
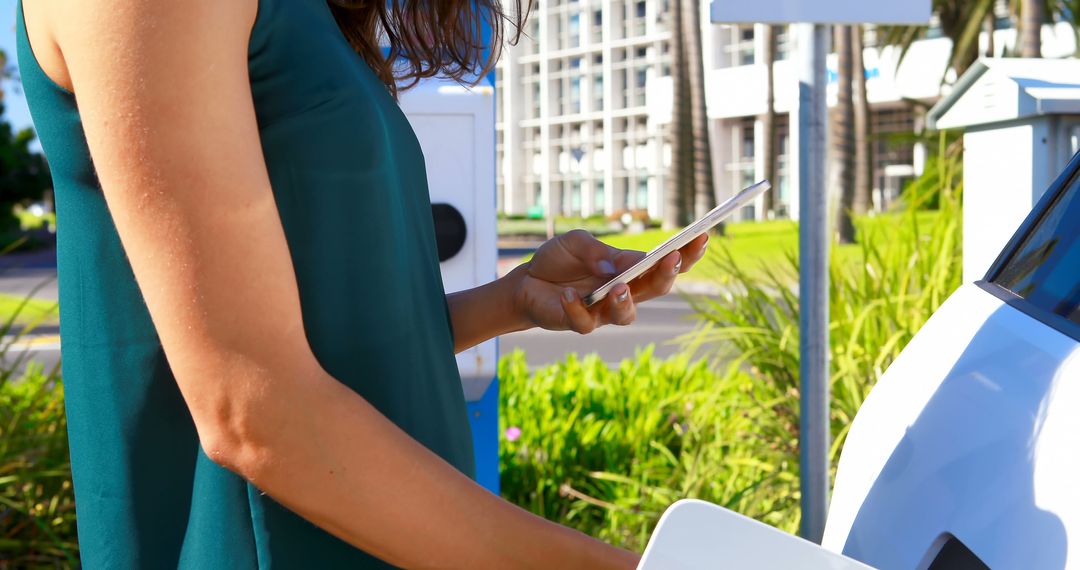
x=427 y=37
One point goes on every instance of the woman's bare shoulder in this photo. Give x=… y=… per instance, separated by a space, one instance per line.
x=47 y=22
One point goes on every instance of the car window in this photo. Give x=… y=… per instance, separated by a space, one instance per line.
x=1045 y=267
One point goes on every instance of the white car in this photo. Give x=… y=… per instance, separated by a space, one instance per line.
x=966 y=454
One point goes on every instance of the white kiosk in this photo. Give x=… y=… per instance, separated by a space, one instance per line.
x=1021 y=121
x=456 y=129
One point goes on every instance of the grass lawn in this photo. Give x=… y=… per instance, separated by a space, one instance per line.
x=36 y=311
x=755 y=245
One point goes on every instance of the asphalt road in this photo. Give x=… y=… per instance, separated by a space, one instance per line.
x=659 y=322
x=43 y=344
x=39 y=281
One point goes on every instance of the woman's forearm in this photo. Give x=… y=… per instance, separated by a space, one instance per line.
x=348 y=469
x=486 y=311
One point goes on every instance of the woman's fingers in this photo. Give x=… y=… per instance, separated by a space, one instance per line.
x=659 y=281
x=694 y=251
x=617 y=308
x=621 y=308
x=578 y=318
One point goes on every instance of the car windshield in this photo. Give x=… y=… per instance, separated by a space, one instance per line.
x=1045 y=268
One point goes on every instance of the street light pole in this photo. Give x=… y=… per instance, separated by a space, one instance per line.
x=813 y=284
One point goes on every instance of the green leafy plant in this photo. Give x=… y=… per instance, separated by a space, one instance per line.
x=907 y=265
x=606 y=451
x=37 y=504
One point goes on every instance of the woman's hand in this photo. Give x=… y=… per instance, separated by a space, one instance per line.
x=551 y=286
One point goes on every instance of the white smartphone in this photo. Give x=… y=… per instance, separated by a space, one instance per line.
x=715 y=216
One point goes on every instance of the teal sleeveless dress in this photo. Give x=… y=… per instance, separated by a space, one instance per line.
x=349 y=180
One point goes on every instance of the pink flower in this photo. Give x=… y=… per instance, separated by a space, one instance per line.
x=513 y=433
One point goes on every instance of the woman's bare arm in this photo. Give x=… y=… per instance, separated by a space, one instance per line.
x=165 y=100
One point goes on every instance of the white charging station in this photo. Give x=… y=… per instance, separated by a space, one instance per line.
x=1021 y=122
x=456 y=129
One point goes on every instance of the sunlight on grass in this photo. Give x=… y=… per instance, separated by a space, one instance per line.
x=35 y=311
x=757 y=246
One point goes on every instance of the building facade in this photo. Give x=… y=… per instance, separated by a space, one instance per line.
x=573 y=128
x=584 y=102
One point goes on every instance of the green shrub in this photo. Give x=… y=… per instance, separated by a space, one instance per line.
x=37 y=505
x=906 y=266
x=606 y=451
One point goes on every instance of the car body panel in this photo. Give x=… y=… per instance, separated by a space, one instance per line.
x=973 y=432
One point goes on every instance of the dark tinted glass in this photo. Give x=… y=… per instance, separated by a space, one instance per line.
x=955 y=556
x=1045 y=268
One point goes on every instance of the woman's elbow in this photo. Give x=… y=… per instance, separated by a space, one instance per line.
x=240 y=398
x=238 y=419
x=236 y=450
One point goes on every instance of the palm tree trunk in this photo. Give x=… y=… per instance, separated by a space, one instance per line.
x=844 y=137
x=864 y=154
x=768 y=121
x=1031 y=28
x=680 y=180
x=704 y=187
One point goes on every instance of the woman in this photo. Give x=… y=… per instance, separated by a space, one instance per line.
x=258 y=352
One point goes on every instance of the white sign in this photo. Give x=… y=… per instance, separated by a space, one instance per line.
x=915 y=12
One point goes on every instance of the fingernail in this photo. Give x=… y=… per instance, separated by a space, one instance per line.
x=621 y=297
x=606 y=267
x=678 y=266
x=568 y=294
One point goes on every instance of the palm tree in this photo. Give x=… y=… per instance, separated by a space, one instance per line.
x=704 y=187
x=960 y=21
x=864 y=155
x=679 y=199
x=768 y=121
x=691 y=190
x=1032 y=13
x=844 y=136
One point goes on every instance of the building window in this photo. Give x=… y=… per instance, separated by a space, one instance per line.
x=575 y=197
x=598 y=92
x=783 y=43
x=746 y=138
x=575 y=95
x=891 y=152
x=575 y=30
x=740 y=47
